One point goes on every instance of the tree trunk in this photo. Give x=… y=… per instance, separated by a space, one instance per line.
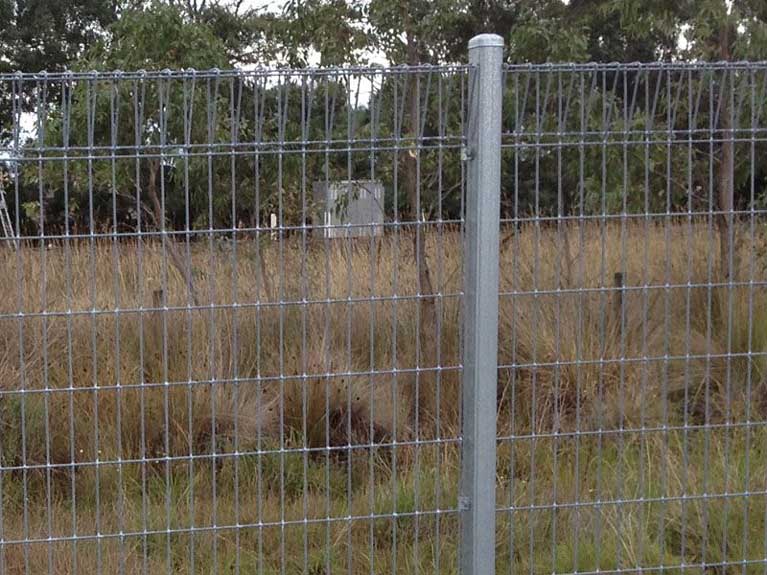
x=427 y=304
x=184 y=268
x=726 y=168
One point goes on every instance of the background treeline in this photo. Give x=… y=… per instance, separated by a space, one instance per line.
x=217 y=151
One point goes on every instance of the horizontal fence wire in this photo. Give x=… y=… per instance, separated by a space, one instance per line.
x=232 y=322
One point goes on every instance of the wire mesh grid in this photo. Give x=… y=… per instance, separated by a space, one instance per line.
x=197 y=375
x=232 y=334
x=632 y=331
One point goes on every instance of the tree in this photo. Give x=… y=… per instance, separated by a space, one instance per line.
x=205 y=34
x=712 y=30
x=332 y=29
x=728 y=31
x=94 y=113
x=50 y=34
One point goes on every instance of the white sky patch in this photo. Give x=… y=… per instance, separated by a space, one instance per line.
x=269 y=5
x=682 y=40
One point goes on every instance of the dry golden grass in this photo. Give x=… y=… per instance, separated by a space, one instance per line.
x=333 y=367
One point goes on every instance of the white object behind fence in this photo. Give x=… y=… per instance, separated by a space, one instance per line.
x=349 y=208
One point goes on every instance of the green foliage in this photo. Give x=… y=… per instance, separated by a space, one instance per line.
x=250 y=36
x=48 y=35
x=539 y=35
x=332 y=28
x=133 y=43
x=184 y=116
x=102 y=113
x=417 y=31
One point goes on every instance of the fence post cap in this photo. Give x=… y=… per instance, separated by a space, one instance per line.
x=485 y=41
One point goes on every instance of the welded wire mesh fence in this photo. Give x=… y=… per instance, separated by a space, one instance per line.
x=196 y=375
x=233 y=329
x=632 y=341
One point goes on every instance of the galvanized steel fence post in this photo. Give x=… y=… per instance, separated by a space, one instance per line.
x=480 y=346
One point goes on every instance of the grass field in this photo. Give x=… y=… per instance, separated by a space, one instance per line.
x=332 y=406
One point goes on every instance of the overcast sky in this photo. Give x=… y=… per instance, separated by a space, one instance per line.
x=272 y=4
